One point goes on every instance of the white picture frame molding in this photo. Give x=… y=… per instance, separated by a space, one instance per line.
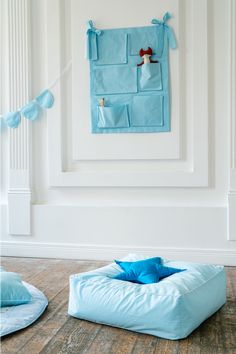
x=18 y=94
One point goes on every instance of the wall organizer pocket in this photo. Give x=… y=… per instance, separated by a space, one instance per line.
x=113 y=117
x=147 y=111
x=115 y=79
x=130 y=67
x=150 y=77
x=117 y=43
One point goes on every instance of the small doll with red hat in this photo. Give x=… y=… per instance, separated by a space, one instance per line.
x=146 y=55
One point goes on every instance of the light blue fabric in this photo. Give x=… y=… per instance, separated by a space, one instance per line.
x=112 y=48
x=12 y=119
x=14 y=318
x=31 y=111
x=113 y=117
x=150 y=77
x=115 y=79
x=12 y=291
x=92 y=34
x=45 y=99
x=116 y=76
x=147 y=111
x=167 y=28
x=144 y=37
x=170 y=309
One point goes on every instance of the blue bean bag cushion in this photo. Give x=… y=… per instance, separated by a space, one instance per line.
x=171 y=308
x=14 y=318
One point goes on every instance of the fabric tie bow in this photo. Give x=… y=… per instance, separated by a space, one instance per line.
x=169 y=31
x=92 y=33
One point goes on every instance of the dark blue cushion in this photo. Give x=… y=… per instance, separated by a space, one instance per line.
x=138 y=277
x=167 y=271
x=141 y=272
x=139 y=265
x=147 y=271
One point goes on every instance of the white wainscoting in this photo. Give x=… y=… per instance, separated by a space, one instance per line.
x=170 y=159
x=177 y=182
x=111 y=232
x=232 y=193
x=111 y=252
x=18 y=94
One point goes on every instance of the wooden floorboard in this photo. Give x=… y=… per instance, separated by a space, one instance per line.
x=56 y=332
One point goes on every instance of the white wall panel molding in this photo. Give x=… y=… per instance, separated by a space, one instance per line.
x=135 y=147
x=188 y=168
x=232 y=192
x=111 y=252
x=194 y=233
x=233 y=97
x=19 y=193
x=2 y=90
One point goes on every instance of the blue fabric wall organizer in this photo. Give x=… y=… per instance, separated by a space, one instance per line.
x=136 y=98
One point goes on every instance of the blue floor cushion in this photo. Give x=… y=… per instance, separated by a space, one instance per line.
x=14 y=318
x=171 y=308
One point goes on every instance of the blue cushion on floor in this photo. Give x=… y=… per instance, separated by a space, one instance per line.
x=171 y=309
x=14 y=318
x=12 y=290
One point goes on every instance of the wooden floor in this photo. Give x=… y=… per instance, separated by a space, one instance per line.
x=55 y=332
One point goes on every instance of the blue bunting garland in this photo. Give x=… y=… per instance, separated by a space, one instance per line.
x=45 y=99
x=30 y=111
x=12 y=119
x=34 y=108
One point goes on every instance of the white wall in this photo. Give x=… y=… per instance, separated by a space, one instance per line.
x=102 y=196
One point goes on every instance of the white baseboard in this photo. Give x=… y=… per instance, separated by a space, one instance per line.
x=110 y=252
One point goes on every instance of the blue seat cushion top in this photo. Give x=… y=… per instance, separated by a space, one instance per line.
x=171 y=308
x=12 y=290
x=144 y=272
x=14 y=318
